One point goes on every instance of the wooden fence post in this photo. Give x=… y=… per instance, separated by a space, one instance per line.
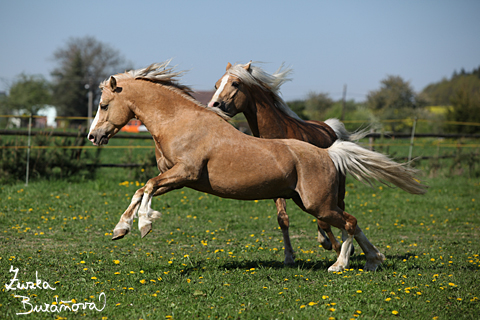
x=411 y=140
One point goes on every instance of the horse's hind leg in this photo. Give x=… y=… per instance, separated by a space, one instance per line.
x=284 y=223
x=324 y=229
x=326 y=237
x=342 y=220
x=374 y=257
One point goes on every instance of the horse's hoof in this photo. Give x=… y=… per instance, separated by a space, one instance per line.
x=325 y=243
x=373 y=263
x=119 y=234
x=145 y=230
x=337 y=268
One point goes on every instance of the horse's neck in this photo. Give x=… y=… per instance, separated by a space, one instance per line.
x=269 y=122
x=170 y=117
x=264 y=118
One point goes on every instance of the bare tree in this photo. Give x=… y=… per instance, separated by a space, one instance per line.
x=81 y=65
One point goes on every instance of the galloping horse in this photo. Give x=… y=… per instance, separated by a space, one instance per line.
x=251 y=90
x=197 y=148
x=269 y=117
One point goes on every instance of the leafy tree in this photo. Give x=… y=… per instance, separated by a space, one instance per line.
x=465 y=108
x=298 y=106
x=440 y=93
x=29 y=93
x=317 y=104
x=353 y=111
x=82 y=62
x=395 y=99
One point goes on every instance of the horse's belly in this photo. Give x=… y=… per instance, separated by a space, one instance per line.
x=251 y=182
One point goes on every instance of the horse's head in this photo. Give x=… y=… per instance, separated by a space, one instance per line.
x=231 y=95
x=113 y=113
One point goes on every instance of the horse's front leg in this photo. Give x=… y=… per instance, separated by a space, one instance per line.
x=174 y=178
x=126 y=220
x=284 y=223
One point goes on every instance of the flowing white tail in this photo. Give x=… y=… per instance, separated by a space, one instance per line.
x=368 y=166
x=343 y=134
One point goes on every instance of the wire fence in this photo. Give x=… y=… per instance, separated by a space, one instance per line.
x=375 y=139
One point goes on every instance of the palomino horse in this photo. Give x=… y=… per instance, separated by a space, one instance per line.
x=197 y=148
x=269 y=117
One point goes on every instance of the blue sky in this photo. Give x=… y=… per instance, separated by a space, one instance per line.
x=327 y=43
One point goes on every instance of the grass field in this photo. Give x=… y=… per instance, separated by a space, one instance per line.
x=211 y=258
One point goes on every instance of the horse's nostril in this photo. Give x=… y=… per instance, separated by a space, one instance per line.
x=216 y=104
x=91 y=137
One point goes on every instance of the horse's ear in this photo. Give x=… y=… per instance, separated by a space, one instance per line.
x=113 y=83
x=229 y=65
x=247 y=66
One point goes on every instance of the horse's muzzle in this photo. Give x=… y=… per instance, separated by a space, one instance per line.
x=98 y=139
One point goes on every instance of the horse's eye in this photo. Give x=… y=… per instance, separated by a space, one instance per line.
x=235 y=84
x=104 y=107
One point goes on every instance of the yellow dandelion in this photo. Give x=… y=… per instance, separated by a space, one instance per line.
x=312 y=303
x=395 y=312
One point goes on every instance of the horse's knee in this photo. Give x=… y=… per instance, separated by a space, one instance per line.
x=149 y=186
x=350 y=223
x=283 y=221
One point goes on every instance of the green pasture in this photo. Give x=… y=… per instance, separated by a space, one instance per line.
x=210 y=258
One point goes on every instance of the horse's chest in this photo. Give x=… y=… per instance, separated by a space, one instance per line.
x=163 y=164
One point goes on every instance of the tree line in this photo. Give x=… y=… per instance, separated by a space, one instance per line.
x=84 y=62
x=81 y=64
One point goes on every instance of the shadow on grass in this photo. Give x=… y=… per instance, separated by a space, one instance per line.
x=273 y=264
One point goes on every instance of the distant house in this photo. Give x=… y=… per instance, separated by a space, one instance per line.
x=134 y=126
x=50 y=114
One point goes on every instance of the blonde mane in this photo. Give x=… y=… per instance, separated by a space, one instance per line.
x=167 y=76
x=268 y=82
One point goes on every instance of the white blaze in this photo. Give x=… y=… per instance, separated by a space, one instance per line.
x=220 y=89
x=95 y=120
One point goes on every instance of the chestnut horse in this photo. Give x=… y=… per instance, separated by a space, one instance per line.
x=197 y=148
x=269 y=117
